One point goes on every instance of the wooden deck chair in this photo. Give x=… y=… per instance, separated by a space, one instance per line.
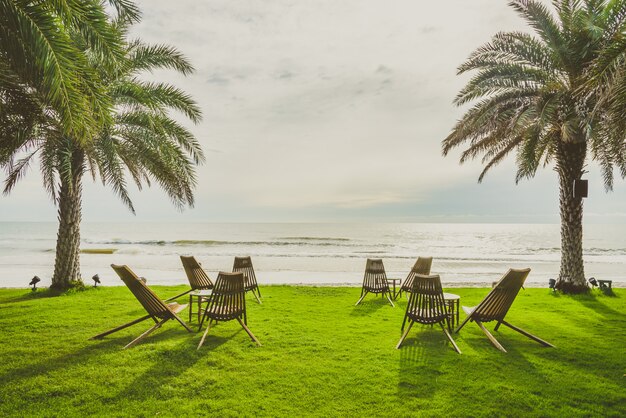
x=375 y=280
x=244 y=265
x=198 y=279
x=421 y=266
x=228 y=302
x=496 y=305
x=157 y=310
x=426 y=306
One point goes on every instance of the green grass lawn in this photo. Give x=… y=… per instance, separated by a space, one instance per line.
x=321 y=356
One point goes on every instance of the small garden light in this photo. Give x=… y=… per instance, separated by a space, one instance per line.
x=552 y=284
x=96 y=280
x=592 y=281
x=34 y=282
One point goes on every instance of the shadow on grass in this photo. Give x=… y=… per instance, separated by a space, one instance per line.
x=421 y=357
x=65 y=361
x=30 y=295
x=505 y=336
x=369 y=306
x=591 y=301
x=155 y=382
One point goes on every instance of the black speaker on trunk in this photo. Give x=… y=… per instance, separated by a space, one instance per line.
x=581 y=187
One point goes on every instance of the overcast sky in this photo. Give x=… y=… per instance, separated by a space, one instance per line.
x=329 y=111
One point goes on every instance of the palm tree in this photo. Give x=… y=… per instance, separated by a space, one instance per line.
x=142 y=140
x=37 y=54
x=552 y=98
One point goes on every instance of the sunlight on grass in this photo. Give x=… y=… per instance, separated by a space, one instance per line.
x=321 y=356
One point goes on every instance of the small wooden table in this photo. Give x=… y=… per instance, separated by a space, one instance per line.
x=454 y=305
x=200 y=295
x=394 y=281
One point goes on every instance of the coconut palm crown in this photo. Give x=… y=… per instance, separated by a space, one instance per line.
x=553 y=99
x=142 y=142
x=37 y=53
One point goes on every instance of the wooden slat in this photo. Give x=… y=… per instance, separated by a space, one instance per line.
x=421 y=266
x=496 y=305
x=244 y=265
x=198 y=278
x=375 y=280
x=148 y=299
x=227 y=302
x=427 y=306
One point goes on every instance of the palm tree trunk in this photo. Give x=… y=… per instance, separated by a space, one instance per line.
x=67 y=262
x=570 y=162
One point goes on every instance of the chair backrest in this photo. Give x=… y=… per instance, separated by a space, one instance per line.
x=421 y=266
x=244 y=265
x=426 y=304
x=198 y=279
x=375 y=278
x=228 y=299
x=497 y=303
x=148 y=299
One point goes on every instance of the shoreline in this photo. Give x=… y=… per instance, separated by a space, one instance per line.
x=453 y=285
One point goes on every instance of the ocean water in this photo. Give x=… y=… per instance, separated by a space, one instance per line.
x=322 y=254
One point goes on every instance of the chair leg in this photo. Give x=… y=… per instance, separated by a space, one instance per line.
x=208 y=327
x=465 y=321
x=445 y=331
x=404 y=335
x=176 y=317
x=363 y=294
x=121 y=327
x=529 y=335
x=145 y=334
x=491 y=337
x=257 y=297
x=389 y=298
x=249 y=332
x=202 y=320
x=403 y=322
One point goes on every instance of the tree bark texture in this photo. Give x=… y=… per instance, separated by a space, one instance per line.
x=569 y=165
x=67 y=261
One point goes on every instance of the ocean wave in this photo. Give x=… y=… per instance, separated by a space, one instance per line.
x=302 y=241
x=557 y=250
x=315 y=238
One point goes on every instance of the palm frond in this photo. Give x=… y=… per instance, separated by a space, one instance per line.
x=152 y=57
x=155 y=96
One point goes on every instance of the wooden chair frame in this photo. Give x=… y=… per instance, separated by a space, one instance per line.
x=198 y=280
x=375 y=280
x=421 y=266
x=244 y=265
x=496 y=305
x=227 y=302
x=427 y=306
x=157 y=310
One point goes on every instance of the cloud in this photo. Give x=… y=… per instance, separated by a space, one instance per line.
x=325 y=109
x=428 y=29
x=218 y=79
